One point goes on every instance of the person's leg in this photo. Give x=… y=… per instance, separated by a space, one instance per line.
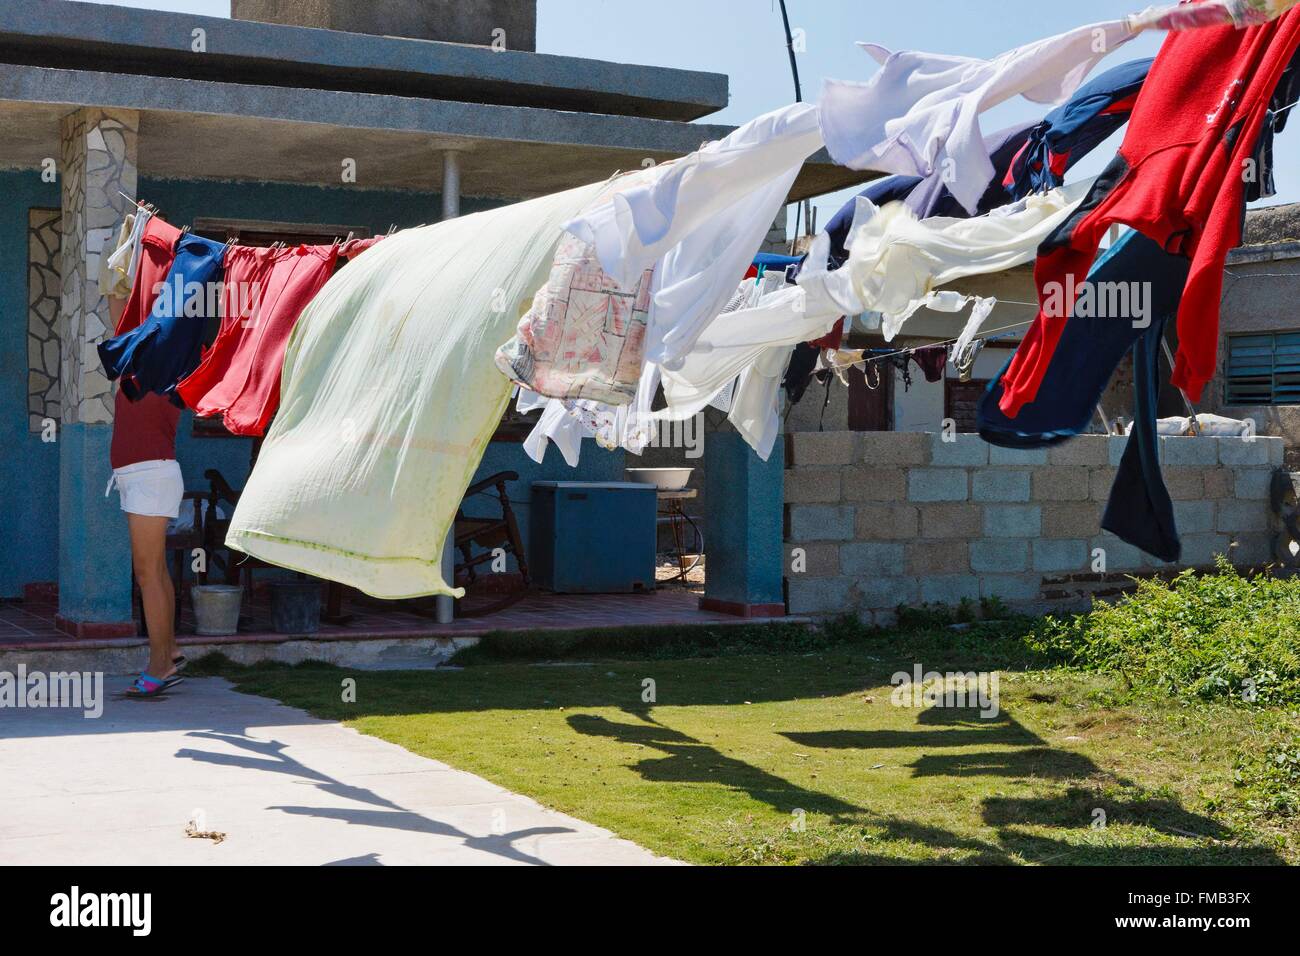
x=149 y=558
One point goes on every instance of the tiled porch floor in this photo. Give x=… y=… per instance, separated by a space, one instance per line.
x=30 y=625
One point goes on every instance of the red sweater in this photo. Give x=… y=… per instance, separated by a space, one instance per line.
x=1179 y=180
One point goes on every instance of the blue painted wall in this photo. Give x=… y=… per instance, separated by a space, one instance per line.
x=29 y=470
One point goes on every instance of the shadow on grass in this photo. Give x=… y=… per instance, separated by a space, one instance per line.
x=966 y=745
x=689 y=760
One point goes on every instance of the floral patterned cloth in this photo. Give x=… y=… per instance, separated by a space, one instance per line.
x=584 y=337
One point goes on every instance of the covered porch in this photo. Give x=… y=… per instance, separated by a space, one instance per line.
x=264 y=155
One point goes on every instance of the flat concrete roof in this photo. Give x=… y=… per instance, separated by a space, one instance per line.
x=199 y=129
x=92 y=36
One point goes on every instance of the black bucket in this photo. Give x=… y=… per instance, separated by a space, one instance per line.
x=295 y=607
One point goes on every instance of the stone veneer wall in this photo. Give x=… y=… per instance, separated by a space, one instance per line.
x=889 y=518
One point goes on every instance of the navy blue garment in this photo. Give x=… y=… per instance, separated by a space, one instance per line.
x=166 y=347
x=1074 y=129
x=1262 y=185
x=898 y=188
x=1139 y=510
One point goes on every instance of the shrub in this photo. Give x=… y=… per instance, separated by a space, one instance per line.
x=1220 y=636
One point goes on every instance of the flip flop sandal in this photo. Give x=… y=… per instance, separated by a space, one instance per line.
x=145 y=687
x=179 y=662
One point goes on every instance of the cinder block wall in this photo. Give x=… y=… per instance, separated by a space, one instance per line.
x=885 y=518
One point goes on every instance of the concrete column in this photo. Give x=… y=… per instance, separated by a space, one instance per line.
x=445 y=606
x=744 y=503
x=450 y=184
x=97 y=164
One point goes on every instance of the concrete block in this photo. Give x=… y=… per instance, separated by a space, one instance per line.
x=950 y=589
x=822 y=448
x=961 y=451
x=1061 y=483
x=1200 y=550
x=1099 y=482
x=1237 y=516
x=820 y=595
x=886 y=522
x=821 y=523
x=1185 y=484
x=1252 y=484
x=868 y=483
x=1253 y=549
x=1177 y=450
x=936 y=557
x=893 y=448
x=1118 y=555
x=1115 y=445
x=1089 y=451
x=1064 y=554
x=872 y=558
x=1194 y=517
x=1024 y=457
x=819 y=560
x=1277 y=452
x=1219 y=483
x=886 y=593
x=809 y=485
x=1011 y=587
x=952 y=521
x=1003 y=556
x=1013 y=521
x=1071 y=519
x=999 y=484
x=1239 y=451
x=937 y=484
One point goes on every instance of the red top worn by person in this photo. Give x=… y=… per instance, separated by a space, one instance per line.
x=1179 y=179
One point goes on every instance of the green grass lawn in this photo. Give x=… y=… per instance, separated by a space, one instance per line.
x=800 y=757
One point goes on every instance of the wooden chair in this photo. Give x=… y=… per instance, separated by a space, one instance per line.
x=237 y=564
x=180 y=547
x=479 y=539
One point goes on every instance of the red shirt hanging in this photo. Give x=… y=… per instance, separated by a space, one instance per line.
x=266 y=290
x=1180 y=180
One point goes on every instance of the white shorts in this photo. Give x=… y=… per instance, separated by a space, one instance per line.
x=153 y=488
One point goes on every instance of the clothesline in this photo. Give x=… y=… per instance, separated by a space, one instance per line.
x=913 y=348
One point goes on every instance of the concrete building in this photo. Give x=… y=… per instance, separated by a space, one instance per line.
x=1259 y=330
x=266 y=123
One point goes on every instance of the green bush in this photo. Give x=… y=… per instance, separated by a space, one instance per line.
x=1217 y=636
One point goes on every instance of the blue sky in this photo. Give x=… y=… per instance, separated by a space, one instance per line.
x=744 y=39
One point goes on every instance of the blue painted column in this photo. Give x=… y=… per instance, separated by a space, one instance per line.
x=97 y=163
x=744 y=499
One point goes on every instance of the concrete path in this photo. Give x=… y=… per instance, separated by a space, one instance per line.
x=284 y=787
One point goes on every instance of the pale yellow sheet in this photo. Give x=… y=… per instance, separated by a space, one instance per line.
x=390 y=395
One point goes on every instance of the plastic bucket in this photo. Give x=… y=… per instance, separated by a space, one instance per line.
x=295 y=607
x=216 y=608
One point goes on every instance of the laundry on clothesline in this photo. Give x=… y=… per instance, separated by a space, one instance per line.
x=389 y=398
x=1071 y=131
x=1174 y=181
x=165 y=347
x=264 y=293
